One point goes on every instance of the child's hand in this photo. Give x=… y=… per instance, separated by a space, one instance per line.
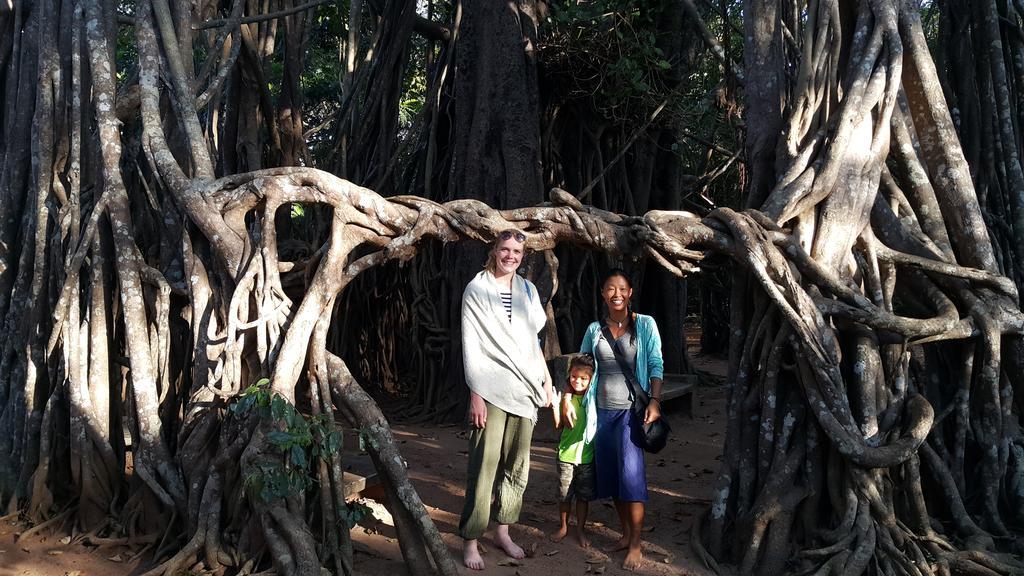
x=569 y=413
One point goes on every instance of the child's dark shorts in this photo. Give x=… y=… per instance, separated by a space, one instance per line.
x=576 y=480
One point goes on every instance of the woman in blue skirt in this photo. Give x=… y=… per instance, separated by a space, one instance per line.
x=618 y=457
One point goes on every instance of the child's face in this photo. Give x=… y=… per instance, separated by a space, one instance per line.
x=579 y=380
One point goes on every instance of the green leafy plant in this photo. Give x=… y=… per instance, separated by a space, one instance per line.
x=299 y=439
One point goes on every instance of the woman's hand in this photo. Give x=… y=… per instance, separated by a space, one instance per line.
x=653 y=411
x=654 y=406
x=556 y=411
x=477 y=410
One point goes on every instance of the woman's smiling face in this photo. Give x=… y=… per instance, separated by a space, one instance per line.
x=616 y=293
x=508 y=254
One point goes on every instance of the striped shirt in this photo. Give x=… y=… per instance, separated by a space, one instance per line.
x=506 y=301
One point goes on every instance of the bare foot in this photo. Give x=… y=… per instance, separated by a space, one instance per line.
x=471 y=555
x=581 y=537
x=620 y=544
x=505 y=542
x=634 y=559
x=558 y=536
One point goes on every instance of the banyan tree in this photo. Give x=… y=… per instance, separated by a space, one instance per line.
x=178 y=228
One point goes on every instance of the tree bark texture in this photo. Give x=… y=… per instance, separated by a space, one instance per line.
x=848 y=438
x=147 y=291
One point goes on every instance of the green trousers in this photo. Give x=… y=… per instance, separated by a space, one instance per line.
x=501 y=447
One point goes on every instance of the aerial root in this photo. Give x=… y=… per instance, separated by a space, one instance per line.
x=58 y=519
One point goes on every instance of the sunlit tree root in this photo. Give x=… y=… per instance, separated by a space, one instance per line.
x=872 y=424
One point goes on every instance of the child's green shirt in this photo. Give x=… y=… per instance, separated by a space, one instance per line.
x=572 y=448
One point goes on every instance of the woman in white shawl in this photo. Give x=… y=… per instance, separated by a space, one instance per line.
x=508 y=381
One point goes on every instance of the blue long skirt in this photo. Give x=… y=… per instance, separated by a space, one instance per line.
x=618 y=458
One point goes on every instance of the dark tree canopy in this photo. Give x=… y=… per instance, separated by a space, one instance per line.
x=220 y=222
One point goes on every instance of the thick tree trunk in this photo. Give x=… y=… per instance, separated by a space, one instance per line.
x=872 y=334
x=839 y=404
x=496 y=153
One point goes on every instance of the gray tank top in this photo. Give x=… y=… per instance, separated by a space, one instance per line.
x=612 y=389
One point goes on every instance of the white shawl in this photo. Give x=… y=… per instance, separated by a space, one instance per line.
x=502 y=359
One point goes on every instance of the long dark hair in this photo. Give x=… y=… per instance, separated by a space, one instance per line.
x=630 y=323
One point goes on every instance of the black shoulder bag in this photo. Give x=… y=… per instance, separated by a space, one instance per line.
x=654 y=435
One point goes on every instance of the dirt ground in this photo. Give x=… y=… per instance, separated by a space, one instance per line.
x=679 y=478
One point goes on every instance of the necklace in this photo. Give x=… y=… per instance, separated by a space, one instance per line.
x=618 y=324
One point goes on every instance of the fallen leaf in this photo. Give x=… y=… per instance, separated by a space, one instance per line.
x=65 y=540
x=55 y=552
x=115 y=558
x=552 y=553
x=510 y=562
x=531 y=550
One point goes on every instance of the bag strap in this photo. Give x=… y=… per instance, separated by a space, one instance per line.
x=635 y=390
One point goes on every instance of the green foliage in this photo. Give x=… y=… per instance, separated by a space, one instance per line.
x=299 y=440
x=414 y=96
x=616 y=61
x=607 y=50
x=353 y=514
x=930 y=16
x=366 y=439
x=126 y=54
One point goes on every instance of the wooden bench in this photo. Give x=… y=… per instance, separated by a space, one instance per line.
x=359 y=476
x=677 y=393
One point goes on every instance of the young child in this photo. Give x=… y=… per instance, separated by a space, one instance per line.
x=575 y=454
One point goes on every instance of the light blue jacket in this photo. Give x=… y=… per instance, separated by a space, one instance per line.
x=649 y=363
